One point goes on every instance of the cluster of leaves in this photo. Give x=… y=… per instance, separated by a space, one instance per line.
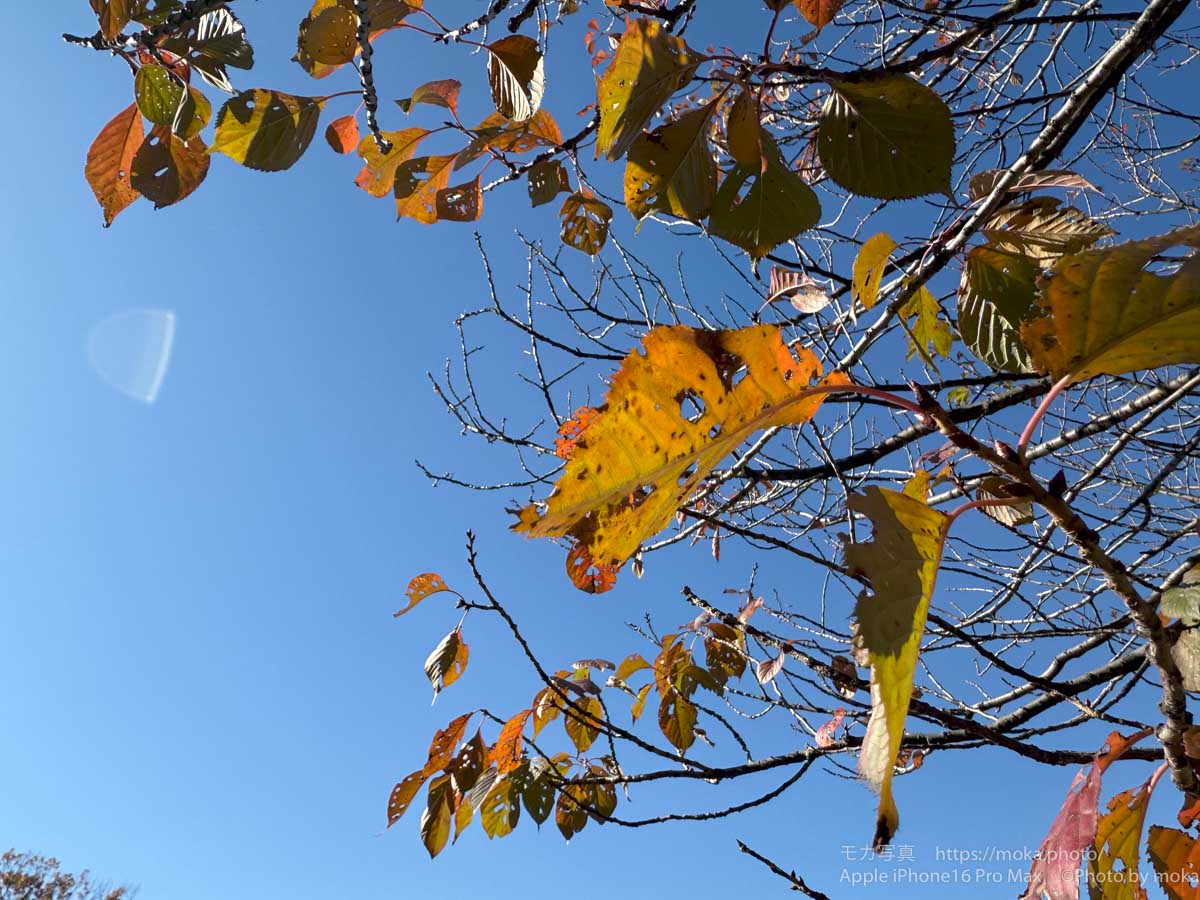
x=497 y=779
x=28 y=876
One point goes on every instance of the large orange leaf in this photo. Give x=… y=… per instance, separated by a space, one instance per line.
x=1176 y=858
x=644 y=456
x=109 y=166
x=819 y=12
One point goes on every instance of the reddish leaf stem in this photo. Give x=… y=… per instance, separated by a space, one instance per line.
x=1027 y=435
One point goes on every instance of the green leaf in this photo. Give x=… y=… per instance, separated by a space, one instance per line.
x=901 y=566
x=649 y=65
x=516 y=76
x=743 y=130
x=266 y=130
x=158 y=93
x=1183 y=602
x=1103 y=312
x=869 y=266
x=997 y=294
x=889 y=137
x=166 y=168
x=777 y=206
x=585 y=222
x=546 y=181
x=677 y=720
x=672 y=169
x=538 y=793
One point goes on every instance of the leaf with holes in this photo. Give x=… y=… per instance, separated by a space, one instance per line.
x=266 y=130
x=538 y=794
x=1175 y=856
x=342 y=134
x=501 y=808
x=460 y=202
x=1102 y=312
x=109 y=167
x=869 y=266
x=443 y=93
x=378 y=175
x=776 y=207
x=402 y=796
x=496 y=134
x=585 y=222
x=671 y=169
x=424 y=585
x=546 y=181
x=900 y=564
x=889 y=137
x=677 y=720
x=166 y=168
x=331 y=38
x=646 y=454
x=649 y=65
x=418 y=183
x=441 y=748
x=516 y=75
x=447 y=662
x=465 y=767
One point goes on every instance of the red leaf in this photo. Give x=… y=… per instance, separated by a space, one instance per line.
x=342 y=134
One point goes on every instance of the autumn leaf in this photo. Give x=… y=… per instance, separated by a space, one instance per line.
x=501 y=808
x=983 y=183
x=113 y=15
x=869 y=266
x=677 y=720
x=649 y=65
x=460 y=202
x=331 y=37
x=109 y=167
x=928 y=331
x=1055 y=870
x=497 y=134
x=342 y=134
x=776 y=207
x=1042 y=230
x=743 y=130
x=546 y=181
x=441 y=748
x=447 y=662
x=901 y=564
x=438 y=815
x=378 y=175
x=219 y=42
x=1175 y=856
x=824 y=736
x=418 y=182
x=1102 y=313
x=996 y=295
x=402 y=796
x=671 y=169
x=819 y=13
x=644 y=457
x=1113 y=866
x=166 y=168
x=889 y=137
x=467 y=765
x=582 y=726
x=443 y=93
x=506 y=753
x=585 y=222
x=516 y=76
x=424 y=585
x=266 y=130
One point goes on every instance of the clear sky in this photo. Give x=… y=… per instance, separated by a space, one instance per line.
x=205 y=691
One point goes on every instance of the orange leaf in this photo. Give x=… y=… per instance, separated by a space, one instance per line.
x=571 y=431
x=506 y=752
x=819 y=13
x=378 y=175
x=1176 y=859
x=422 y=586
x=587 y=574
x=402 y=796
x=109 y=166
x=441 y=748
x=342 y=134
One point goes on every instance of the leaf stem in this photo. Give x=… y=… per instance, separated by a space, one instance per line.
x=1027 y=435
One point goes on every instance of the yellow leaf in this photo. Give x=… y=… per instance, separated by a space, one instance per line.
x=901 y=565
x=418 y=183
x=1103 y=313
x=869 y=266
x=927 y=330
x=1118 y=835
x=644 y=456
x=648 y=67
x=378 y=175
x=672 y=169
x=742 y=130
x=266 y=130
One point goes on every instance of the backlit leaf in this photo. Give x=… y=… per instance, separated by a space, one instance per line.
x=1018 y=507
x=776 y=207
x=438 y=816
x=766 y=670
x=546 y=181
x=869 y=266
x=930 y=333
x=443 y=93
x=649 y=65
x=506 y=753
x=889 y=137
x=583 y=727
x=825 y=734
x=441 y=748
x=677 y=720
x=459 y=203
x=418 y=182
x=342 y=134
x=985 y=182
x=424 y=585
x=266 y=130
x=743 y=130
x=1042 y=230
x=158 y=93
x=569 y=816
x=1183 y=602
x=585 y=222
x=331 y=37
x=645 y=456
x=538 y=796
x=166 y=168
x=378 y=175
x=109 y=167
x=113 y=16
x=402 y=796
x=1176 y=858
x=447 y=662
x=501 y=808
x=819 y=13
x=901 y=564
x=1113 y=866
x=1102 y=312
x=639 y=705
x=997 y=294
x=516 y=76
x=496 y=134
x=671 y=169
x=467 y=764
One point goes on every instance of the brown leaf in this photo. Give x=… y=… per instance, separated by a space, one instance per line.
x=166 y=168
x=109 y=168
x=585 y=222
x=459 y=203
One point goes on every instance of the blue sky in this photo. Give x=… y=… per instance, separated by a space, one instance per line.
x=206 y=693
